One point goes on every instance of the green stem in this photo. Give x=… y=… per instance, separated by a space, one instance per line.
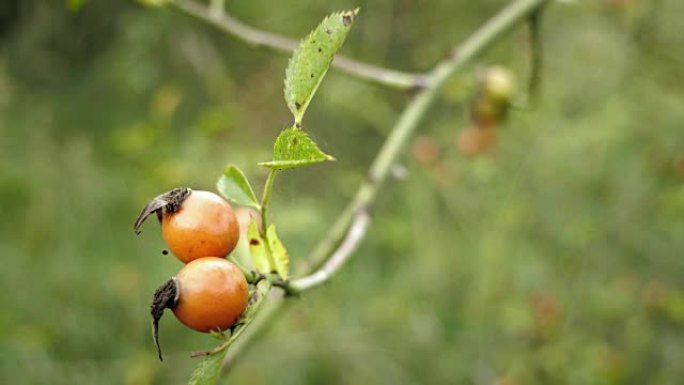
x=266 y=198
x=536 y=56
x=250 y=275
x=263 y=321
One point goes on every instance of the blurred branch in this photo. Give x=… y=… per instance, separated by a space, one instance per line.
x=354 y=236
x=232 y=26
x=481 y=39
x=536 y=54
x=217 y=7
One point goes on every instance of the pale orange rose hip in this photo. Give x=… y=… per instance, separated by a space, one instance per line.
x=195 y=224
x=207 y=294
x=213 y=294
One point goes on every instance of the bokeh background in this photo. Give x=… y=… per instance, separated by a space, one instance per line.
x=556 y=258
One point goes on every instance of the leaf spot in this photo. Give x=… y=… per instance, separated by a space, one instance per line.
x=297 y=105
x=346 y=20
x=254 y=242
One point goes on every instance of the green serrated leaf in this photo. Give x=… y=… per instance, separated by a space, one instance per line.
x=311 y=60
x=294 y=148
x=257 y=249
x=233 y=186
x=208 y=369
x=280 y=256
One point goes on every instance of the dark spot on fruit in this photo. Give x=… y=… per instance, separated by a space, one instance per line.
x=254 y=242
x=165 y=252
x=346 y=20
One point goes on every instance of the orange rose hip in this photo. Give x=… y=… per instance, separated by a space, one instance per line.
x=213 y=294
x=207 y=294
x=195 y=224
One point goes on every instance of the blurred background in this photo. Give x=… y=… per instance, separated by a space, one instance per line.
x=556 y=257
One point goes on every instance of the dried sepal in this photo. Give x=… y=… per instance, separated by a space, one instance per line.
x=168 y=202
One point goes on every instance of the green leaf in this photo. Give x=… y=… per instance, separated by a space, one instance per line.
x=258 y=249
x=280 y=256
x=311 y=60
x=233 y=186
x=208 y=369
x=294 y=148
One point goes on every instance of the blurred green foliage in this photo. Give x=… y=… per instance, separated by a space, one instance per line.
x=556 y=259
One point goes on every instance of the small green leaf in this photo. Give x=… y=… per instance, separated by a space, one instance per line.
x=280 y=256
x=208 y=369
x=233 y=185
x=258 y=249
x=311 y=60
x=294 y=148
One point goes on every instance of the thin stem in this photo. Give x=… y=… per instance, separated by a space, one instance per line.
x=250 y=275
x=266 y=198
x=251 y=35
x=262 y=322
x=536 y=54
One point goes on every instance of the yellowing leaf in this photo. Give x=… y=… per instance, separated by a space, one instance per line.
x=257 y=249
x=280 y=255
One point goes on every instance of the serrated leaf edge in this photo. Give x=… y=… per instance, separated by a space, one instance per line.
x=286 y=164
x=298 y=112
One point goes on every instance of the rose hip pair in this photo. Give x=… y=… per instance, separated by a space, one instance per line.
x=200 y=228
